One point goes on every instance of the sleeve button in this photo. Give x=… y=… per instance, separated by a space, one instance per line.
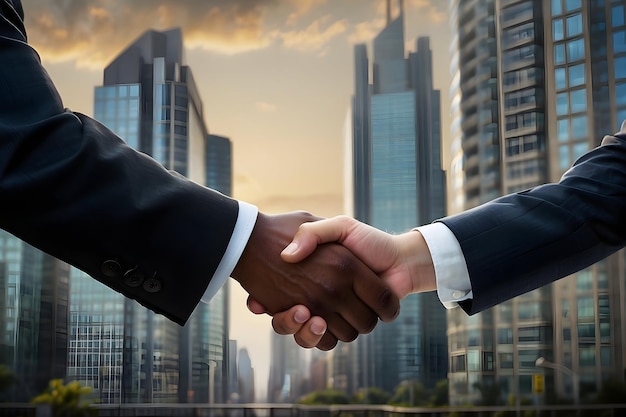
x=133 y=278
x=152 y=285
x=457 y=294
x=111 y=268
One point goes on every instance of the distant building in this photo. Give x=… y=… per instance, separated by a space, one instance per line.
x=398 y=183
x=219 y=164
x=246 y=378
x=287 y=370
x=535 y=85
x=34 y=292
x=124 y=351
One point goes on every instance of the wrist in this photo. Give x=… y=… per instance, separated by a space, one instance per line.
x=416 y=254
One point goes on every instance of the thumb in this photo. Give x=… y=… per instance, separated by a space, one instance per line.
x=308 y=237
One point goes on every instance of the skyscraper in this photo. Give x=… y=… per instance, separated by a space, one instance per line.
x=533 y=89
x=398 y=184
x=33 y=316
x=124 y=351
x=287 y=370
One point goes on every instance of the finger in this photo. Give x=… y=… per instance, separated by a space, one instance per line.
x=309 y=235
x=311 y=334
x=328 y=341
x=340 y=328
x=255 y=307
x=378 y=296
x=292 y=320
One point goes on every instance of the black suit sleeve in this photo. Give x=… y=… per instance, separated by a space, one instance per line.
x=522 y=241
x=73 y=189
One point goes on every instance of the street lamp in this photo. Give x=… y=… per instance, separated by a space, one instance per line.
x=543 y=363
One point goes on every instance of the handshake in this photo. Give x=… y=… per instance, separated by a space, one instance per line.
x=329 y=280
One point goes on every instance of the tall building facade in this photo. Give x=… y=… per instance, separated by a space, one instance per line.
x=535 y=86
x=124 y=351
x=288 y=379
x=398 y=184
x=34 y=293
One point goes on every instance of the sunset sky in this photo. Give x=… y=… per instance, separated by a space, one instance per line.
x=276 y=76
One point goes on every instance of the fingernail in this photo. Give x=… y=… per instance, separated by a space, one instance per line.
x=300 y=316
x=291 y=248
x=318 y=329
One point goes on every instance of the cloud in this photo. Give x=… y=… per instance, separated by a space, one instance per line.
x=314 y=37
x=265 y=107
x=91 y=32
x=364 y=32
x=302 y=7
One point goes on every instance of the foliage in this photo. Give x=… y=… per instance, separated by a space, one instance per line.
x=66 y=400
x=371 y=395
x=325 y=397
x=410 y=394
x=7 y=378
x=489 y=393
x=440 y=394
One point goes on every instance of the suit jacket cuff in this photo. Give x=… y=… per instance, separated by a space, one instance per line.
x=453 y=282
x=246 y=220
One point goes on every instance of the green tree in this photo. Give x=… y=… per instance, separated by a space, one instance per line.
x=66 y=400
x=489 y=393
x=410 y=394
x=7 y=378
x=325 y=397
x=440 y=395
x=371 y=395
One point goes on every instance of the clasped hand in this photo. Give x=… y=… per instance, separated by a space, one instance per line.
x=331 y=282
x=343 y=275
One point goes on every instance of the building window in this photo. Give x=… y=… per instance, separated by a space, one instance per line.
x=458 y=363
x=473 y=360
x=557 y=29
x=505 y=336
x=559 y=54
x=619 y=41
x=559 y=78
x=557 y=8
x=564 y=162
x=562 y=130
x=574 y=25
x=571 y=5
x=567 y=333
x=575 y=50
x=576 y=75
x=562 y=105
x=579 y=149
x=617 y=15
x=585 y=308
x=579 y=127
x=488 y=361
x=605 y=356
x=587 y=330
x=587 y=356
x=620 y=67
x=506 y=360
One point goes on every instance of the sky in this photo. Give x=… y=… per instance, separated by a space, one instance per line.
x=275 y=76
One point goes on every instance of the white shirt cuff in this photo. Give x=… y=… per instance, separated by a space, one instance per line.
x=453 y=282
x=246 y=219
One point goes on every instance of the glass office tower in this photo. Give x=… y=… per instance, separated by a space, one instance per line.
x=124 y=351
x=549 y=71
x=398 y=184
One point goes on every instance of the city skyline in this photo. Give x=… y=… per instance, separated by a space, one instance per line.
x=306 y=57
